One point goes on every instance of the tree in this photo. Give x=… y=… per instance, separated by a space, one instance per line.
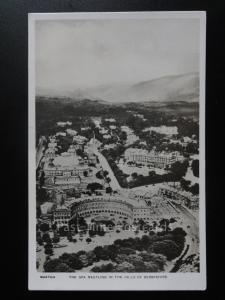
x=48 y=251
x=105 y=173
x=103 y=268
x=38 y=211
x=46 y=237
x=101 y=232
x=94 y=186
x=42 y=179
x=108 y=190
x=108 y=179
x=50 y=265
x=179 y=168
x=101 y=253
x=194 y=189
x=185 y=184
x=134 y=175
x=63 y=230
x=166 y=247
x=164 y=223
x=42 y=195
x=151 y=173
x=69 y=236
x=99 y=175
x=172 y=220
x=85 y=173
x=80 y=152
x=44 y=227
x=82 y=223
x=195 y=167
x=72 y=260
x=54 y=226
x=39 y=241
x=62 y=267
x=56 y=239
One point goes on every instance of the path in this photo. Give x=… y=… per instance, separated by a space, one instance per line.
x=39 y=151
x=105 y=165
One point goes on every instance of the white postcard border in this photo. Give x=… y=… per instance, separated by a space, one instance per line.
x=113 y=281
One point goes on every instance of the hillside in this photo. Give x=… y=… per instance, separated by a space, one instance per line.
x=165 y=89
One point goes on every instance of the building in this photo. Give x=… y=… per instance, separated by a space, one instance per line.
x=106 y=136
x=60 y=133
x=109 y=146
x=61 y=215
x=97 y=121
x=67 y=180
x=131 y=138
x=85 y=128
x=103 y=131
x=66 y=168
x=79 y=139
x=180 y=197
x=93 y=144
x=71 y=132
x=52 y=145
x=152 y=158
x=102 y=206
x=119 y=208
x=47 y=208
x=110 y=120
x=126 y=129
x=50 y=153
x=63 y=124
x=167 y=130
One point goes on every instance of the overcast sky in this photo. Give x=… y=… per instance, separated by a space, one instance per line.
x=77 y=54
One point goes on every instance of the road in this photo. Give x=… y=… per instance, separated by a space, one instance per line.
x=189 y=221
x=190 y=225
x=106 y=167
x=40 y=150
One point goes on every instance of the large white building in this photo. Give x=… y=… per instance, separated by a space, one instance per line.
x=167 y=130
x=119 y=208
x=152 y=158
x=66 y=168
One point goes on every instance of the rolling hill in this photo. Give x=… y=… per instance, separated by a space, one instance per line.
x=165 y=89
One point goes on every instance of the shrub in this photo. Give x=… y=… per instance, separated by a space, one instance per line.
x=166 y=247
x=50 y=265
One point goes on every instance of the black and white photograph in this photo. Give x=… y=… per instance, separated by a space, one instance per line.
x=116 y=151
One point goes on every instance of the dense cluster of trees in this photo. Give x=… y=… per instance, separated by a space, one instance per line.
x=152 y=178
x=112 y=155
x=177 y=171
x=94 y=186
x=195 y=167
x=146 y=254
x=42 y=195
x=186 y=185
x=50 y=111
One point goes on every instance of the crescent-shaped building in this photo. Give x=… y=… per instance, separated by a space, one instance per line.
x=120 y=208
x=104 y=206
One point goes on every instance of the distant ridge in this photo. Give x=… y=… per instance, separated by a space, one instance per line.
x=165 y=89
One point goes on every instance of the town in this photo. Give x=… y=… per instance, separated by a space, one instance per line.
x=117 y=189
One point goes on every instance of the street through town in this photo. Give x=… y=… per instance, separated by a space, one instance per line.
x=40 y=151
x=106 y=167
